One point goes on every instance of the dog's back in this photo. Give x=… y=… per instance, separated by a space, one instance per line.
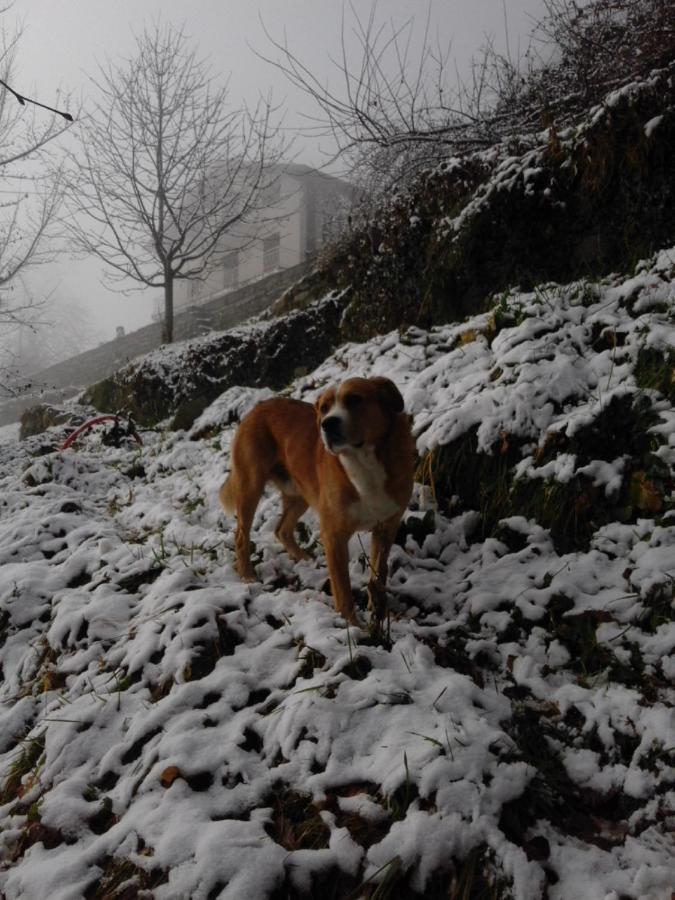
x=274 y=430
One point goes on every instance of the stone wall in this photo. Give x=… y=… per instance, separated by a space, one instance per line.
x=67 y=378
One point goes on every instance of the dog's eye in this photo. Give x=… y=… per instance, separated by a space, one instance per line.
x=325 y=406
x=351 y=401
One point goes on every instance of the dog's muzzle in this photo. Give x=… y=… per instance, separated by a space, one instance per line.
x=334 y=437
x=332 y=428
x=332 y=434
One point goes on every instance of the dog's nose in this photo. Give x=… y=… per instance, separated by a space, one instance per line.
x=332 y=426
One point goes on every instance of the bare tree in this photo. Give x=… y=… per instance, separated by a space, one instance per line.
x=395 y=104
x=30 y=192
x=165 y=168
x=599 y=46
x=52 y=330
x=30 y=188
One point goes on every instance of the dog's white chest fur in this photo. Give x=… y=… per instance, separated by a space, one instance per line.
x=368 y=476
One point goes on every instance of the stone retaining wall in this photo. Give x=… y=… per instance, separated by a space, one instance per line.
x=225 y=310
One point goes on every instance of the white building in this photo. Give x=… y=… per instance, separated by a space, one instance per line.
x=304 y=210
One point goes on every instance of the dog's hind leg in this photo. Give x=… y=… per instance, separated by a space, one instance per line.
x=293 y=507
x=240 y=495
x=227 y=496
x=246 y=501
x=243 y=505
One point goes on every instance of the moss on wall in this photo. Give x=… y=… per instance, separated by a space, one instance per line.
x=587 y=205
x=265 y=354
x=464 y=477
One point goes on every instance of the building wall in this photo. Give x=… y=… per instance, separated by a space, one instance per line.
x=251 y=254
x=299 y=206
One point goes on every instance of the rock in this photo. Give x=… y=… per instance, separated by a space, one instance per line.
x=39 y=418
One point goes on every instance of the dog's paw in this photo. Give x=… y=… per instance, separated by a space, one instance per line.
x=248 y=575
x=301 y=556
x=355 y=621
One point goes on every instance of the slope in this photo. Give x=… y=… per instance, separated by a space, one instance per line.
x=168 y=731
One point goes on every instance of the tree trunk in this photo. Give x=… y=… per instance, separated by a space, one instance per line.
x=167 y=335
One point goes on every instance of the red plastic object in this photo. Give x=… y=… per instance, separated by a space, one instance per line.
x=87 y=426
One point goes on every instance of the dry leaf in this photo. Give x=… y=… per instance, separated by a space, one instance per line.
x=644 y=495
x=169 y=775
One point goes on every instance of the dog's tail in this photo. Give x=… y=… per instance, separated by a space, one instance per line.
x=226 y=495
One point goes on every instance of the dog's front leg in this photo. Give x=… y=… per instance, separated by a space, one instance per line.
x=382 y=539
x=337 y=555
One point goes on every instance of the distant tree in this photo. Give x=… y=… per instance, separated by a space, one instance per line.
x=30 y=192
x=56 y=331
x=165 y=168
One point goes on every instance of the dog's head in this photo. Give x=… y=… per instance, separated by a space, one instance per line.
x=357 y=413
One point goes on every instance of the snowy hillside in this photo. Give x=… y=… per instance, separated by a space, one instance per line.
x=167 y=731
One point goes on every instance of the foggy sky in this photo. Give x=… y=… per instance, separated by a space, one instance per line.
x=64 y=40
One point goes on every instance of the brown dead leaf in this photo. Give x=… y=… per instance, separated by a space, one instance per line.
x=644 y=495
x=52 y=680
x=169 y=775
x=469 y=336
x=27 y=784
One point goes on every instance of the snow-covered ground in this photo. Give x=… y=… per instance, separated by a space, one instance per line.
x=168 y=730
x=9 y=433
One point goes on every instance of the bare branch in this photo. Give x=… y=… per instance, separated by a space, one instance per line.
x=29 y=214
x=390 y=116
x=23 y=100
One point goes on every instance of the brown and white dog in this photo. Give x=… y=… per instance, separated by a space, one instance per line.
x=350 y=457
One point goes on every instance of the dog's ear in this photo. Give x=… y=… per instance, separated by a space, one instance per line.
x=324 y=395
x=389 y=394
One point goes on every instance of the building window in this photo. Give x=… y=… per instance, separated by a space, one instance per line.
x=271 y=257
x=231 y=269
